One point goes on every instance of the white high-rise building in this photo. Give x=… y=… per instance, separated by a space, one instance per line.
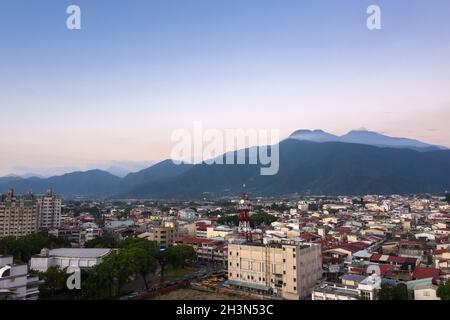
x=50 y=211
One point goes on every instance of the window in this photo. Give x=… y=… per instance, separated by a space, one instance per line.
x=295 y=288
x=295 y=280
x=294 y=267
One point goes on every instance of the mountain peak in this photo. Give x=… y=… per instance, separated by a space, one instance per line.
x=363 y=136
x=316 y=135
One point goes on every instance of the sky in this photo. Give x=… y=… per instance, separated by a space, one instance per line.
x=114 y=91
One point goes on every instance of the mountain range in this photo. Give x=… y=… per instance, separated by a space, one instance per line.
x=311 y=162
x=364 y=137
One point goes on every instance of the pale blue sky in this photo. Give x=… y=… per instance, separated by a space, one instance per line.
x=138 y=70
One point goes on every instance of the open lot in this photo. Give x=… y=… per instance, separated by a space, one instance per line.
x=191 y=294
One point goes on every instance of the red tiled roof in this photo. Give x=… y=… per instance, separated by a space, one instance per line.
x=440 y=251
x=394 y=259
x=360 y=245
x=308 y=236
x=202 y=226
x=193 y=241
x=422 y=273
x=348 y=247
x=385 y=269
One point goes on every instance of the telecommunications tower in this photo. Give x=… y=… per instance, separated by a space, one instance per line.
x=244 y=218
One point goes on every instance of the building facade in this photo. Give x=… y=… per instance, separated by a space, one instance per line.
x=164 y=234
x=19 y=215
x=15 y=283
x=68 y=257
x=50 y=211
x=288 y=269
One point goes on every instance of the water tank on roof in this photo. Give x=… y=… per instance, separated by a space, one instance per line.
x=45 y=252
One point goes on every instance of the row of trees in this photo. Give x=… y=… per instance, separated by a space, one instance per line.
x=256 y=219
x=400 y=292
x=24 y=248
x=134 y=258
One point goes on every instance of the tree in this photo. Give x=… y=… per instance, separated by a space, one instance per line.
x=385 y=292
x=103 y=242
x=229 y=220
x=142 y=262
x=180 y=255
x=258 y=219
x=135 y=257
x=443 y=291
x=161 y=255
x=388 y=292
x=24 y=248
x=400 y=292
x=54 y=280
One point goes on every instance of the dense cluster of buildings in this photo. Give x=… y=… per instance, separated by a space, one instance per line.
x=320 y=248
x=27 y=214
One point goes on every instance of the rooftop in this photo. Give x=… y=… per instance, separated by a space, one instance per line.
x=79 y=252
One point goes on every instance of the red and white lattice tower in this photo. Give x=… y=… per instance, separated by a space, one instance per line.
x=244 y=218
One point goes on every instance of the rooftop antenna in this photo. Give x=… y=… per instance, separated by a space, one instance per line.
x=244 y=218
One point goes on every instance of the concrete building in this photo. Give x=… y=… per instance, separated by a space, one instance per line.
x=287 y=269
x=352 y=287
x=219 y=232
x=15 y=283
x=50 y=211
x=68 y=257
x=215 y=252
x=19 y=215
x=164 y=235
x=423 y=289
x=187 y=214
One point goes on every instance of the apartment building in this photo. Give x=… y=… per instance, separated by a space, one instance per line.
x=215 y=252
x=23 y=215
x=15 y=282
x=287 y=269
x=164 y=234
x=50 y=210
x=19 y=215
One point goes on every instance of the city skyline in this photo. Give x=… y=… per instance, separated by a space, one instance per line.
x=116 y=89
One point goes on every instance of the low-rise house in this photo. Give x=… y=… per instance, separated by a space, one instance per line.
x=423 y=289
x=68 y=257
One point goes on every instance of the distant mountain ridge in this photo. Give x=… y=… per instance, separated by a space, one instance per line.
x=364 y=137
x=318 y=167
